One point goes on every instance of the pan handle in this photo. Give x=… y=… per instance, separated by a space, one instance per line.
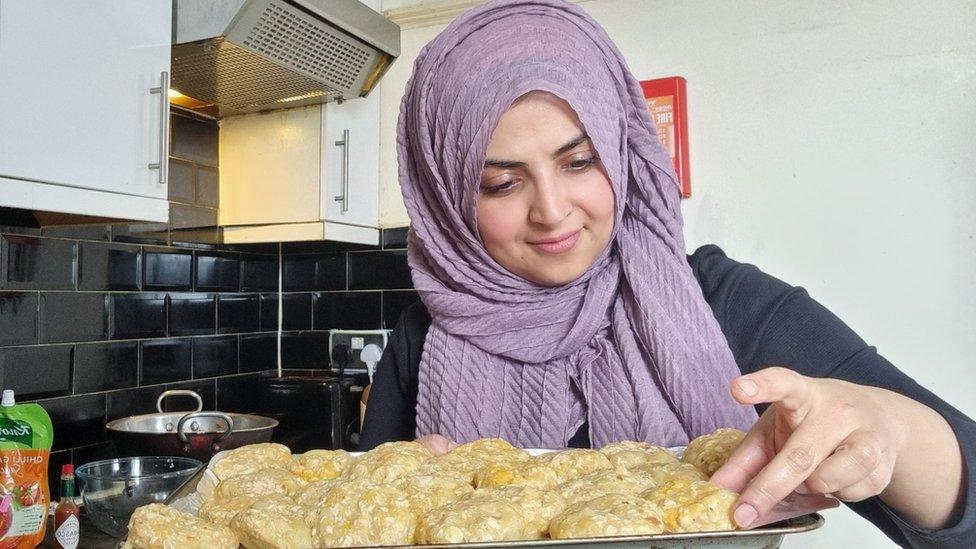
x=197 y=415
x=179 y=392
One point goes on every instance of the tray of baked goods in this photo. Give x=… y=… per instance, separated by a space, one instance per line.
x=485 y=493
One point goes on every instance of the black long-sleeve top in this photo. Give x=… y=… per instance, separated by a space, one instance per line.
x=766 y=322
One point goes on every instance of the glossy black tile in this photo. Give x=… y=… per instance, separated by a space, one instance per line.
x=259 y=272
x=330 y=272
x=394 y=238
x=166 y=360
x=133 y=402
x=167 y=269
x=348 y=310
x=36 y=372
x=308 y=350
x=141 y=233
x=181 y=186
x=386 y=270
x=104 y=366
x=69 y=317
x=194 y=139
x=208 y=187
x=138 y=315
x=296 y=312
x=238 y=313
x=304 y=273
x=238 y=393
x=214 y=356
x=95 y=452
x=218 y=272
x=192 y=314
x=78 y=232
x=78 y=420
x=394 y=302
x=28 y=263
x=54 y=463
x=179 y=403
x=108 y=266
x=258 y=352
x=18 y=318
x=322 y=247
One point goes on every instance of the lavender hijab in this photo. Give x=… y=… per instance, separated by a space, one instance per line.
x=630 y=347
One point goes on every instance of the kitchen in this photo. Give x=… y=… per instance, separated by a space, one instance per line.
x=874 y=132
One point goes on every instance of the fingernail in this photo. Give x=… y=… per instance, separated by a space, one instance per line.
x=748 y=387
x=745 y=515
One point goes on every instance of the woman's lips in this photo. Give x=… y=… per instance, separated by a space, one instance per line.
x=557 y=245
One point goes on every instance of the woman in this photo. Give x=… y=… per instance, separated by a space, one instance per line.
x=559 y=307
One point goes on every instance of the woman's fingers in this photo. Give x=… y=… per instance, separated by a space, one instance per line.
x=870 y=486
x=745 y=462
x=790 y=390
x=859 y=468
x=437 y=444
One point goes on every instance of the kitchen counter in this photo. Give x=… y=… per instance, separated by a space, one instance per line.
x=91 y=536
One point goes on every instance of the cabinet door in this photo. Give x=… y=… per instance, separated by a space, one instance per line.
x=357 y=177
x=75 y=101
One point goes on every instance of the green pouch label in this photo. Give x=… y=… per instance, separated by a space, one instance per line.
x=16 y=431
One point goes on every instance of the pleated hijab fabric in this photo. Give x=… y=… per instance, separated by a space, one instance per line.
x=631 y=347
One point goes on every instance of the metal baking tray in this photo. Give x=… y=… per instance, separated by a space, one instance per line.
x=769 y=536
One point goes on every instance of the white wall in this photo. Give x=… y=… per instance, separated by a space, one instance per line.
x=833 y=144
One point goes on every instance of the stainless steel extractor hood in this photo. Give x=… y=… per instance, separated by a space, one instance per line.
x=240 y=56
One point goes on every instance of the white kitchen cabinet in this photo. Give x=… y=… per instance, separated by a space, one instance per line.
x=80 y=120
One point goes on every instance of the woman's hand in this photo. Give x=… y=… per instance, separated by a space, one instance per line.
x=437 y=444
x=826 y=436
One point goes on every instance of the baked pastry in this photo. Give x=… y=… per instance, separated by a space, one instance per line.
x=264 y=482
x=603 y=482
x=570 y=464
x=358 y=512
x=313 y=494
x=608 y=515
x=389 y=461
x=156 y=526
x=628 y=454
x=536 y=506
x=221 y=511
x=426 y=492
x=696 y=506
x=275 y=523
x=251 y=458
x=659 y=474
x=473 y=517
x=530 y=473
x=321 y=464
x=711 y=451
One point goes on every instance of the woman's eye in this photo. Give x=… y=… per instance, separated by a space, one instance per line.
x=581 y=163
x=498 y=188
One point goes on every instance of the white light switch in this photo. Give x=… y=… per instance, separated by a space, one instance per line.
x=357 y=343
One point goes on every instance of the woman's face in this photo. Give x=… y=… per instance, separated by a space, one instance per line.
x=546 y=207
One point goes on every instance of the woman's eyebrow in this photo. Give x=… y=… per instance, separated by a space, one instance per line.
x=508 y=164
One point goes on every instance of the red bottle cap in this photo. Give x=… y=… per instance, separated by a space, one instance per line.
x=67 y=469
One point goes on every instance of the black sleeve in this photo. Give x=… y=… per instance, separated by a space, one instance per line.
x=770 y=323
x=391 y=408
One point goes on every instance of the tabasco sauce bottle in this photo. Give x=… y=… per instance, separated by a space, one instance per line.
x=66 y=527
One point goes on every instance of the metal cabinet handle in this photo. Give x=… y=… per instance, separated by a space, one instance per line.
x=163 y=164
x=179 y=392
x=344 y=197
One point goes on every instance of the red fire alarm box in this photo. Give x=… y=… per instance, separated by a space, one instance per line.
x=667 y=101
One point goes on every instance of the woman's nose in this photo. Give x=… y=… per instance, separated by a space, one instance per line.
x=550 y=204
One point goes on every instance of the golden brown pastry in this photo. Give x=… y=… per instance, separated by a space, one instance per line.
x=321 y=464
x=608 y=515
x=389 y=461
x=426 y=492
x=221 y=511
x=276 y=523
x=265 y=482
x=251 y=458
x=629 y=454
x=603 y=482
x=474 y=517
x=156 y=526
x=536 y=506
x=659 y=474
x=709 y=452
x=314 y=493
x=696 y=506
x=530 y=473
x=358 y=512
x=574 y=463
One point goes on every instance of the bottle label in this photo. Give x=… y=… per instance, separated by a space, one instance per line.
x=67 y=534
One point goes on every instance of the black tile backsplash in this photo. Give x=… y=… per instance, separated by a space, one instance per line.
x=237 y=313
x=386 y=270
x=108 y=266
x=192 y=314
x=96 y=321
x=394 y=303
x=348 y=310
x=296 y=313
x=218 y=272
x=18 y=318
x=138 y=315
x=28 y=263
x=36 y=372
x=103 y=366
x=68 y=317
x=166 y=360
x=167 y=270
x=394 y=238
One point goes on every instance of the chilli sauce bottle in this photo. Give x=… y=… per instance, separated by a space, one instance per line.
x=66 y=527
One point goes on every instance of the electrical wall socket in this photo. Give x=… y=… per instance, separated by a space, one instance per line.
x=356 y=340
